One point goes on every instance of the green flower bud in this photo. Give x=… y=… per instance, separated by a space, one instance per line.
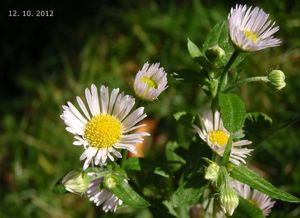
x=228 y=199
x=109 y=181
x=212 y=172
x=76 y=182
x=215 y=53
x=276 y=78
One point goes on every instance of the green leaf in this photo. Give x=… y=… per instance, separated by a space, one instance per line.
x=233 y=111
x=257 y=126
x=226 y=153
x=247 y=210
x=249 y=177
x=219 y=36
x=184 y=118
x=186 y=195
x=141 y=164
x=172 y=156
x=193 y=49
x=119 y=186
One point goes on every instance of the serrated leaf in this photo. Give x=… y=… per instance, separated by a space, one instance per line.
x=247 y=210
x=184 y=118
x=193 y=49
x=185 y=195
x=249 y=177
x=233 y=111
x=119 y=186
x=141 y=164
x=219 y=36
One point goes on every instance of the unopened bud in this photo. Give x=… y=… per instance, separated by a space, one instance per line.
x=276 y=78
x=215 y=53
x=76 y=182
x=229 y=199
x=212 y=172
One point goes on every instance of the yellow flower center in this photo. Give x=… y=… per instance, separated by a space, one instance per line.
x=103 y=131
x=218 y=137
x=149 y=82
x=250 y=35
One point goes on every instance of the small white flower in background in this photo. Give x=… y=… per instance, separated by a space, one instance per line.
x=250 y=29
x=213 y=132
x=257 y=198
x=76 y=182
x=102 y=196
x=104 y=126
x=150 y=82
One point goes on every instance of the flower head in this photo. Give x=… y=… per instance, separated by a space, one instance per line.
x=76 y=182
x=250 y=29
x=104 y=126
x=276 y=78
x=102 y=196
x=213 y=132
x=257 y=198
x=150 y=82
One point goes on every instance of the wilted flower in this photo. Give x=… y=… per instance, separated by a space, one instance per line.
x=228 y=199
x=150 y=82
x=213 y=132
x=276 y=78
x=105 y=127
x=250 y=29
x=76 y=182
x=255 y=197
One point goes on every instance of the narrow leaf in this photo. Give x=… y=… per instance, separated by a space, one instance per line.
x=226 y=153
x=119 y=186
x=249 y=177
x=233 y=111
x=247 y=210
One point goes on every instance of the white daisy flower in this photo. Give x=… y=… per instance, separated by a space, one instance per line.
x=105 y=127
x=150 y=82
x=102 y=196
x=250 y=30
x=259 y=199
x=213 y=132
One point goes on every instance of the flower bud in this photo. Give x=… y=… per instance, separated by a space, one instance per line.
x=276 y=78
x=76 y=182
x=215 y=53
x=212 y=172
x=229 y=199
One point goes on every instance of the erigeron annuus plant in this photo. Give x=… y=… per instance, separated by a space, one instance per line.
x=219 y=181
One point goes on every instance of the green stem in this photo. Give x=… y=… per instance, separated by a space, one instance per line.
x=248 y=80
x=124 y=158
x=234 y=55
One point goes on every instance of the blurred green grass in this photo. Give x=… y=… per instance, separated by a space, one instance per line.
x=108 y=47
